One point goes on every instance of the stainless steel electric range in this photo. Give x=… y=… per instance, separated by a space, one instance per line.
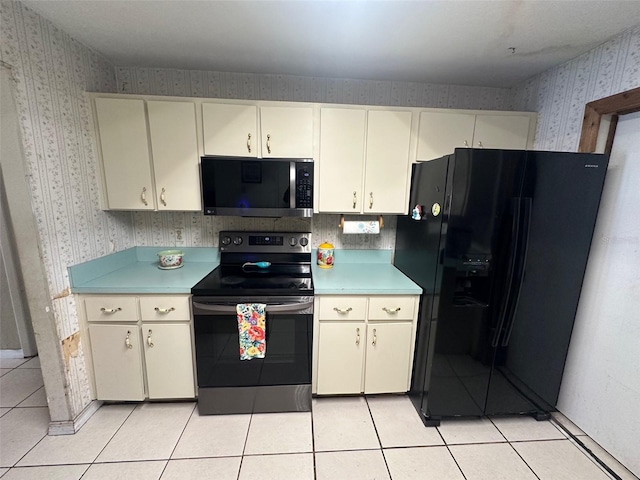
x=256 y=267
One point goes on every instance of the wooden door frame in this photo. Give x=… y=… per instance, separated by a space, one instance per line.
x=615 y=105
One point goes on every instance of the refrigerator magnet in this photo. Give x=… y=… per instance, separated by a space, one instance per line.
x=435 y=209
x=416 y=213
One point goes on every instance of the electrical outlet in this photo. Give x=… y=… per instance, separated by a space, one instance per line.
x=179 y=236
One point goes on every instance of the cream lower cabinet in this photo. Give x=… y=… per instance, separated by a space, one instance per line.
x=364 y=344
x=141 y=346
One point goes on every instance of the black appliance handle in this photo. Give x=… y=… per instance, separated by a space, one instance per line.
x=287 y=308
x=515 y=231
x=522 y=258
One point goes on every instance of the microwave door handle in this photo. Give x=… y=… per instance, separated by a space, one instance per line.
x=292 y=184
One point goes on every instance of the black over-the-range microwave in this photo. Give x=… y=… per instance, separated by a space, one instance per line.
x=257 y=187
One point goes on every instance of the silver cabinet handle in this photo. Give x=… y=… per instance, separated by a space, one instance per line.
x=127 y=341
x=268 y=143
x=343 y=310
x=354 y=199
x=357 y=336
x=165 y=310
x=375 y=338
x=480 y=145
x=143 y=196
x=110 y=311
x=149 y=340
x=249 y=142
x=391 y=310
x=163 y=198
x=370 y=200
x=466 y=144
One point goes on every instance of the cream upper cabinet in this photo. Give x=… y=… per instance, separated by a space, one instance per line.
x=122 y=128
x=440 y=133
x=387 y=161
x=287 y=132
x=364 y=160
x=174 y=144
x=252 y=131
x=342 y=144
x=230 y=130
x=501 y=131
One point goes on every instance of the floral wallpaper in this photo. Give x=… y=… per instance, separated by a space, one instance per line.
x=159 y=228
x=560 y=94
x=51 y=71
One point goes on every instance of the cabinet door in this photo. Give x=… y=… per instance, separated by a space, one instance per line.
x=439 y=133
x=174 y=146
x=501 y=131
x=388 y=356
x=122 y=127
x=168 y=355
x=387 y=162
x=340 y=357
x=287 y=132
x=342 y=137
x=230 y=129
x=117 y=368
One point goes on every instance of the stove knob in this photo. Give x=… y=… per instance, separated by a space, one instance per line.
x=304 y=241
x=293 y=241
x=237 y=240
x=226 y=240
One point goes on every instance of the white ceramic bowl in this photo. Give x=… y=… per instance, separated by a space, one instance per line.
x=170 y=258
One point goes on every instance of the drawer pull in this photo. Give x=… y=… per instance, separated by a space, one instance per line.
x=164 y=310
x=343 y=310
x=149 y=340
x=127 y=342
x=110 y=311
x=391 y=310
x=357 y=336
x=375 y=338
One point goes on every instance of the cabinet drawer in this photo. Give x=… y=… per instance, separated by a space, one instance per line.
x=106 y=308
x=168 y=308
x=391 y=307
x=342 y=307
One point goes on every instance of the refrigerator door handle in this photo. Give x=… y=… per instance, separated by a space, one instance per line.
x=522 y=256
x=515 y=234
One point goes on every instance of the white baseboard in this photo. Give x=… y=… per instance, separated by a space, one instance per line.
x=11 y=354
x=69 y=427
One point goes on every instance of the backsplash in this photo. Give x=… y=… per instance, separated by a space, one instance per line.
x=159 y=228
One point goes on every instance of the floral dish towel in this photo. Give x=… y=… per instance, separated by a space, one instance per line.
x=251 y=330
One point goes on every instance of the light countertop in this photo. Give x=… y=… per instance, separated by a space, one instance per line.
x=135 y=271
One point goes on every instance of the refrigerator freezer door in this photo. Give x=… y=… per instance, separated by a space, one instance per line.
x=565 y=193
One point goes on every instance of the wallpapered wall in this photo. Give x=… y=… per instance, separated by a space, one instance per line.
x=560 y=94
x=51 y=71
x=158 y=228
x=600 y=385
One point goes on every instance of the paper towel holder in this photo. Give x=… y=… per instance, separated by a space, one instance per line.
x=341 y=224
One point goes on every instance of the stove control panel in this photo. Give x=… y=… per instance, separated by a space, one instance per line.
x=265 y=242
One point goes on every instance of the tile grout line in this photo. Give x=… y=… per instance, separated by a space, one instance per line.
x=446 y=445
x=375 y=428
x=195 y=407
x=244 y=447
x=514 y=448
x=313 y=444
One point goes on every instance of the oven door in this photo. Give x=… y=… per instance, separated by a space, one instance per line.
x=288 y=337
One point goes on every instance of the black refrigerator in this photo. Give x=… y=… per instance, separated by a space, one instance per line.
x=498 y=240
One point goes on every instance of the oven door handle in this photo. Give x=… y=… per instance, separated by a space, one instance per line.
x=287 y=308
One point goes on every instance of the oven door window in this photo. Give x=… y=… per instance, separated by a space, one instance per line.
x=287 y=360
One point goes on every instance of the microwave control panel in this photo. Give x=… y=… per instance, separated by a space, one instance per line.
x=304 y=185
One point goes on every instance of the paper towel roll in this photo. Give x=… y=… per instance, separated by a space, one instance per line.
x=361 y=227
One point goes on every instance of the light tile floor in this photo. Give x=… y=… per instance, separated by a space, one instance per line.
x=379 y=437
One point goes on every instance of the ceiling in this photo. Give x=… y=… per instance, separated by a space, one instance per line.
x=494 y=43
